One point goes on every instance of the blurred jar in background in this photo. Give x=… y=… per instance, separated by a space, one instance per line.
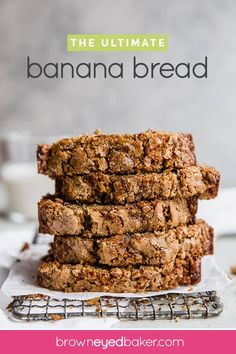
x=22 y=186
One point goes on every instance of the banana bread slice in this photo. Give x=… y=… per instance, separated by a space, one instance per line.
x=160 y=248
x=60 y=218
x=149 y=151
x=97 y=187
x=79 y=278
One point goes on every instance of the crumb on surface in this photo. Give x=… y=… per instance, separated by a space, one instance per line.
x=108 y=304
x=25 y=247
x=9 y=306
x=233 y=270
x=93 y=302
x=56 y=317
x=98 y=131
x=98 y=309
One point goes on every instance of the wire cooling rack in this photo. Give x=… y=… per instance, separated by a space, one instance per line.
x=162 y=307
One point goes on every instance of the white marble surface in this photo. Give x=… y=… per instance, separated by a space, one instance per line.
x=204 y=107
x=219 y=213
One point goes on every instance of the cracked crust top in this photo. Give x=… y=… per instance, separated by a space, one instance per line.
x=149 y=151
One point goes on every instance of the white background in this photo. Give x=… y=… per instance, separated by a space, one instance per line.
x=196 y=29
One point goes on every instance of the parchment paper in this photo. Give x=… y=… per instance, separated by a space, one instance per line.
x=22 y=279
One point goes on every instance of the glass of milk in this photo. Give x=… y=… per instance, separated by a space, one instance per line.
x=22 y=186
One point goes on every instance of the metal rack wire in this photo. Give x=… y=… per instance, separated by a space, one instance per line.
x=162 y=307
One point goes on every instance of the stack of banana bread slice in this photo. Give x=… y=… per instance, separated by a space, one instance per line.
x=123 y=215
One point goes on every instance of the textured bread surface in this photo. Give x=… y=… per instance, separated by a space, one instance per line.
x=132 y=279
x=97 y=187
x=149 y=151
x=162 y=249
x=57 y=217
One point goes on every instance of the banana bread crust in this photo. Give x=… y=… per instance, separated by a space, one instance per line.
x=158 y=248
x=60 y=218
x=200 y=181
x=80 y=278
x=149 y=151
